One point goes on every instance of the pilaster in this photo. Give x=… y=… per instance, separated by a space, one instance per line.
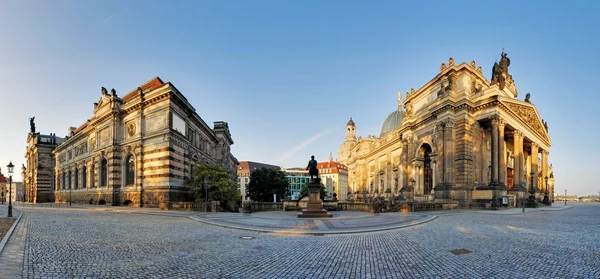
x=534 y=165
x=518 y=152
x=494 y=150
x=449 y=152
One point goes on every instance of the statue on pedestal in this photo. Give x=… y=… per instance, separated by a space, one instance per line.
x=313 y=172
x=500 y=71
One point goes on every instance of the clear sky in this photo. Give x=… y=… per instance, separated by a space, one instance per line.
x=287 y=75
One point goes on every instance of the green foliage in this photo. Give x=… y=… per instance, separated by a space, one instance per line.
x=304 y=191
x=215 y=181
x=266 y=182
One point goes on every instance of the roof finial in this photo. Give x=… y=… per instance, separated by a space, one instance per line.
x=330 y=157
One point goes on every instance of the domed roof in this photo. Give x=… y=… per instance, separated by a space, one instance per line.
x=392 y=122
x=350 y=122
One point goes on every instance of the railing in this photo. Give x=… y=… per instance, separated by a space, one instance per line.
x=266 y=206
x=355 y=206
x=192 y=206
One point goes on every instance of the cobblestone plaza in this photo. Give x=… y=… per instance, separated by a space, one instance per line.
x=92 y=243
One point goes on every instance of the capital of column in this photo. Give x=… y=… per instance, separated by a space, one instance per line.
x=501 y=123
x=518 y=134
x=534 y=145
x=545 y=152
x=449 y=123
x=439 y=126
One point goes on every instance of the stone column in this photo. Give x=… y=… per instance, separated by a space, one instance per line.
x=494 y=151
x=449 y=152
x=440 y=161
x=545 y=154
x=405 y=163
x=518 y=150
x=501 y=154
x=478 y=160
x=534 y=165
x=411 y=156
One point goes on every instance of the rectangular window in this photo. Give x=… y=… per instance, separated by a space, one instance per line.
x=178 y=124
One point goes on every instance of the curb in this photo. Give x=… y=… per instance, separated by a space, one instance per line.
x=537 y=210
x=429 y=218
x=9 y=233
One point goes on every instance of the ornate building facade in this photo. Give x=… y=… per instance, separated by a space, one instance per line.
x=138 y=149
x=38 y=175
x=459 y=137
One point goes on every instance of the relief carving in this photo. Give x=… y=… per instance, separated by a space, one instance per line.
x=529 y=116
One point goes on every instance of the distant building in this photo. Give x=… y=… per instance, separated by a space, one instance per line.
x=16 y=192
x=334 y=176
x=297 y=178
x=245 y=168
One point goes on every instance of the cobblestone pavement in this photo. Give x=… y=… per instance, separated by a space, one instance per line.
x=78 y=243
x=288 y=222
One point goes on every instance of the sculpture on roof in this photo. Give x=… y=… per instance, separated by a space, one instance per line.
x=527 y=98
x=500 y=71
x=113 y=92
x=399 y=99
x=104 y=91
x=32 y=125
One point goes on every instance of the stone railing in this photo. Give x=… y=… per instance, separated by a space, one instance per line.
x=192 y=206
x=266 y=206
x=355 y=206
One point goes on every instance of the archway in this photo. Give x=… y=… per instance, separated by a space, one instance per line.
x=425 y=153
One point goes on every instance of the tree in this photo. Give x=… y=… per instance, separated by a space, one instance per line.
x=266 y=182
x=215 y=181
x=304 y=192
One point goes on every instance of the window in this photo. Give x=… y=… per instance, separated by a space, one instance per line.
x=64 y=181
x=103 y=172
x=69 y=186
x=84 y=177
x=129 y=170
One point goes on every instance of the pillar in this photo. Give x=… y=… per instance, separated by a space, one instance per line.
x=449 y=152
x=517 y=150
x=494 y=151
x=440 y=161
x=405 y=163
x=534 y=165
x=501 y=154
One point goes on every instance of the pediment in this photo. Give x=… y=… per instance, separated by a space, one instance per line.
x=529 y=115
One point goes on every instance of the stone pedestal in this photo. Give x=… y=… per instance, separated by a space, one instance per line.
x=314 y=207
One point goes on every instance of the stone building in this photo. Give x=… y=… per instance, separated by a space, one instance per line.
x=38 y=175
x=138 y=149
x=459 y=137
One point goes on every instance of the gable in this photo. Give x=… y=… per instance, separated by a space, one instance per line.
x=529 y=115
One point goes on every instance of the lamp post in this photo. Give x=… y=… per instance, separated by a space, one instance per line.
x=565 y=196
x=10 y=173
x=70 y=187
x=547 y=191
x=523 y=198
x=413 y=194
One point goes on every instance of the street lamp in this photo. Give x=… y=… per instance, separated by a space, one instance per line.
x=413 y=194
x=547 y=191
x=565 y=196
x=10 y=173
x=70 y=187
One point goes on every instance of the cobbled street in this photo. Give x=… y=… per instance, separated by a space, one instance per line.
x=83 y=243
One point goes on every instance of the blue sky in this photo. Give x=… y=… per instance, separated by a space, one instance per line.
x=286 y=75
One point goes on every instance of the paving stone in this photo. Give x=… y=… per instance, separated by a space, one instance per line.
x=80 y=243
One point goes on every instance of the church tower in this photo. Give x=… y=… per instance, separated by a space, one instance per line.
x=344 y=152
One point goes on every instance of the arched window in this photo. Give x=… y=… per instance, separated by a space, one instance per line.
x=129 y=170
x=103 y=172
x=84 y=177
x=64 y=180
x=69 y=186
x=76 y=178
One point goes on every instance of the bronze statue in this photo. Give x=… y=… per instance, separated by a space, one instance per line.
x=32 y=125
x=500 y=71
x=113 y=92
x=527 y=98
x=104 y=91
x=312 y=168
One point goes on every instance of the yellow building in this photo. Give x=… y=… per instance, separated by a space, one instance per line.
x=334 y=176
x=459 y=137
